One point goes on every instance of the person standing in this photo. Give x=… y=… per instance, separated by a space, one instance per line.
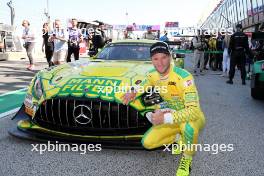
x=99 y=38
x=199 y=45
x=206 y=54
x=164 y=38
x=149 y=35
x=238 y=48
x=226 y=57
x=75 y=38
x=47 y=45
x=219 y=47
x=29 y=42
x=60 y=38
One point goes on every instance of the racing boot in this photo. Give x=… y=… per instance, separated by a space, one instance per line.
x=184 y=166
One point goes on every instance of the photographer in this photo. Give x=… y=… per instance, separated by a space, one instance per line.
x=75 y=38
x=199 y=46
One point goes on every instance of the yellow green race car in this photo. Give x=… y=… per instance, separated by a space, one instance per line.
x=82 y=100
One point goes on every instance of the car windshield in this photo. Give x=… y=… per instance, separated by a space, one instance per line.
x=126 y=51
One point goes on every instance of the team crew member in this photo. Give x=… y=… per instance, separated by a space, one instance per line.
x=29 y=42
x=238 y=47
x=180 y=112
x=75 y=37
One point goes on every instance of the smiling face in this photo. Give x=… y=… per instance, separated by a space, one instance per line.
x=161 y=62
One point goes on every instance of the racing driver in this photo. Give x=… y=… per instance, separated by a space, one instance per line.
x=179 y=114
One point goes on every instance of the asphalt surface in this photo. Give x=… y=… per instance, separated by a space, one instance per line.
x=14 y=74
x=233 y=117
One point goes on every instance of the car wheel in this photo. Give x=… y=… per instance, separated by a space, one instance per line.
x=257 y=93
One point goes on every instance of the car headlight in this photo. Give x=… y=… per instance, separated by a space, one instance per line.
x=38 y=88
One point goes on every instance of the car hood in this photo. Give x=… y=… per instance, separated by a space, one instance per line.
x=107 y=80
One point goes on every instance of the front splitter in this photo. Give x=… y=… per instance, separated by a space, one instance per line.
x=44 y=137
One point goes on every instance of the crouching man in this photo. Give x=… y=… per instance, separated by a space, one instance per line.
x=179 y=114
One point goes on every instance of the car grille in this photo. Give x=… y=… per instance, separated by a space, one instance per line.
x=102 y=117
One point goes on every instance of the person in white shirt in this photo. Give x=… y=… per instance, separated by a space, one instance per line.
x=60 y=38
x=29 y=42
x=149 y=35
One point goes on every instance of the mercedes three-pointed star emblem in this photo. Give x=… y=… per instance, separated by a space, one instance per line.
x=82 y=114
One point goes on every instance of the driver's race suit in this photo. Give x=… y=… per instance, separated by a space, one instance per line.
x=182 y=98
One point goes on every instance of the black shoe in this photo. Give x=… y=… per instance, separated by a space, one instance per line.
x=229 y=82
x=243 y=82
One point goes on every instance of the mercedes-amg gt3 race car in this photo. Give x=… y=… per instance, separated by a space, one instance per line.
x=78 y=101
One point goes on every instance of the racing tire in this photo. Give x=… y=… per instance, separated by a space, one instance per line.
x=256 y=93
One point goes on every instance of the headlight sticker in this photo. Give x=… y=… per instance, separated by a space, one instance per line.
x=37 y=89
x=28 y=102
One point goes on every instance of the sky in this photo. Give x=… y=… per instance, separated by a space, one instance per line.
x=147 y=12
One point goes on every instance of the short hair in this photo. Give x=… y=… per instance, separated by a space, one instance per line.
x=74 y=19
x=26 y=22
x=239 y=26
x=45 y=24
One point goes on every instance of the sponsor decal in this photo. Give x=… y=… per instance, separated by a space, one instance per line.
x=98 y=86
x=138 y=82
x=188 y=83
x=191 y=97
x=164 y=105
x=29 y=111
x=28 y=102
x=171 y=83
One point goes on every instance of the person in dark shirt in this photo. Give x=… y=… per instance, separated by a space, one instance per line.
x=47 y=45
x=75 y=38
x=219 y=47
x=238 y=48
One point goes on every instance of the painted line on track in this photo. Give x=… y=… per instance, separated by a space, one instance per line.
x=13 y=92
x=5 y=114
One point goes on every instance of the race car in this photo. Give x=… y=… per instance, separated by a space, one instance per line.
x=79 y=101
x=257 y=75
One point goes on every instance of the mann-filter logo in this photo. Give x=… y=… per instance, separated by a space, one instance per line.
x=95 y=86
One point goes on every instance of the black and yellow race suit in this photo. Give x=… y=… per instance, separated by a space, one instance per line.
x=182 y=98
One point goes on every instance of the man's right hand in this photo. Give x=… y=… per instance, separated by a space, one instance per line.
x=130 y=96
